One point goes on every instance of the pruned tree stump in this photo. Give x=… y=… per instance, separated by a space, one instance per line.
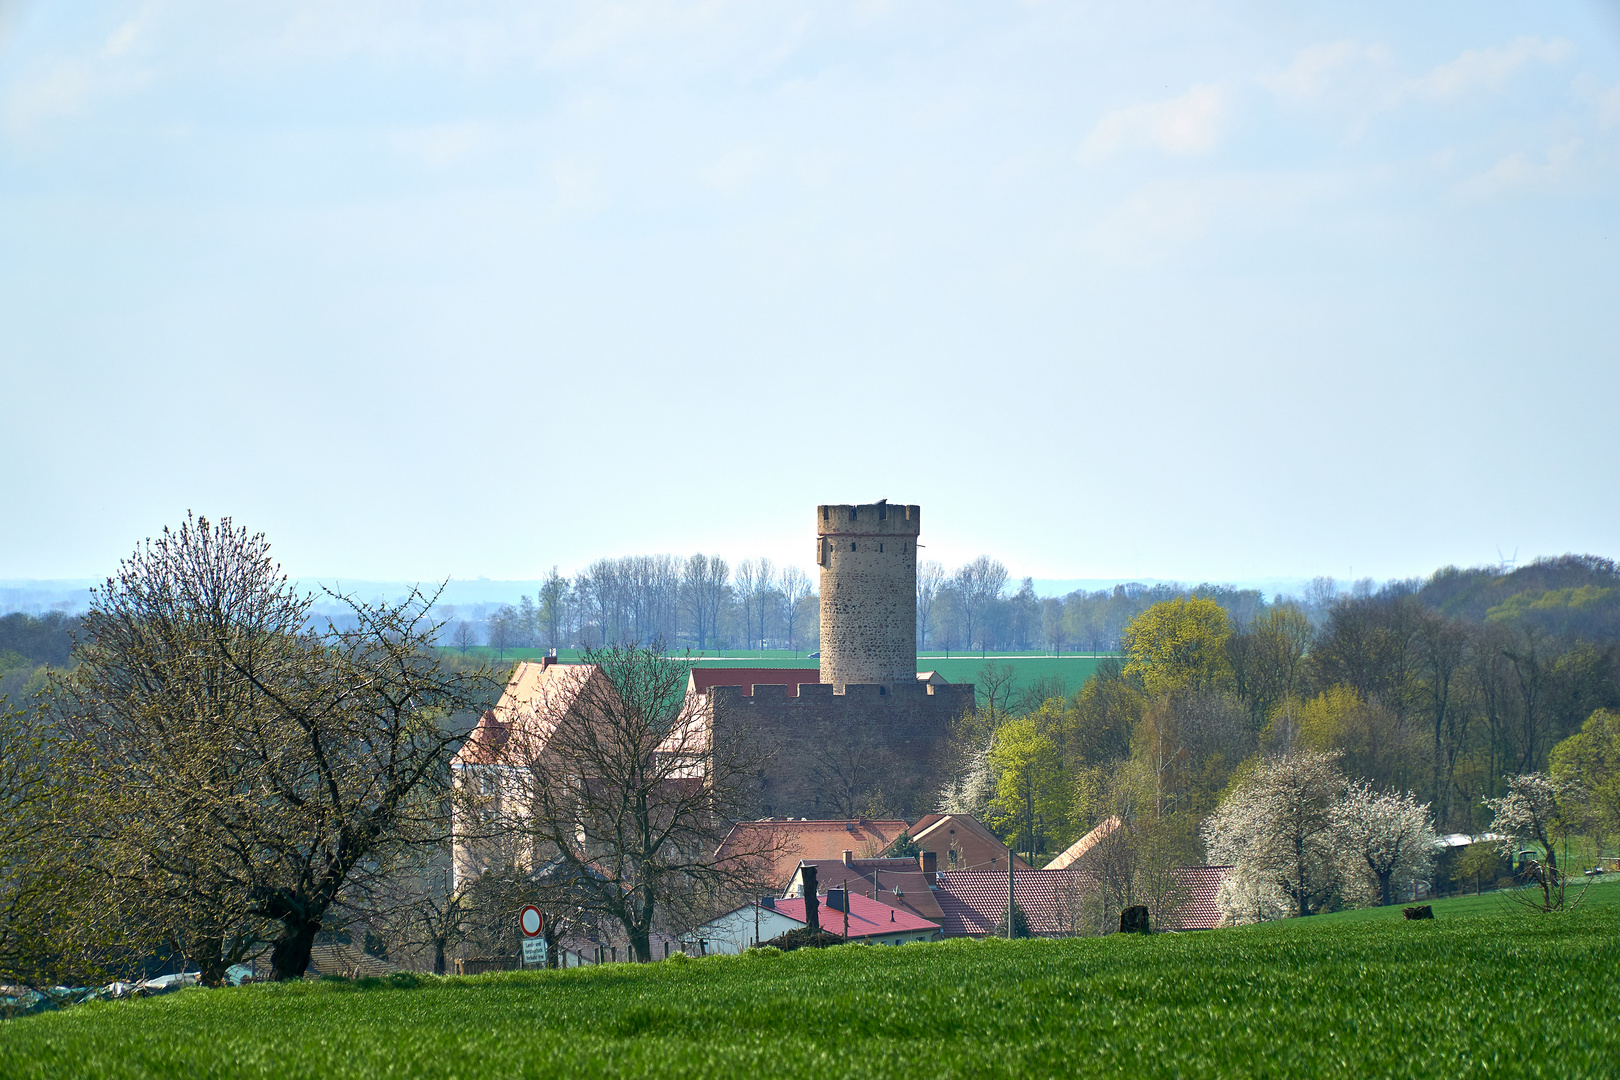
x=1134 y=920
x=1424 y=912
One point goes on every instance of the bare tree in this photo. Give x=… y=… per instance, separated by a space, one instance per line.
x=465 y=637
x=1539 y=811
x=703 y=585
x=628 y=797
x=930 y=577
x=253 y=778
x=795 y=586
x=848 y=768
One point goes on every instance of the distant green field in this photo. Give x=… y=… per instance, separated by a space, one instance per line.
x=1027 y=667
x=1495 y=994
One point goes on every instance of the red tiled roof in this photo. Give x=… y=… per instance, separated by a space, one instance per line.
x=867 y=917
x=794 y=841
x=704 y=677
x=1202 y=884
x=973 y=901
x=903 y=874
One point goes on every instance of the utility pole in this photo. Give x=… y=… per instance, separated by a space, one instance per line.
x=1010 y=908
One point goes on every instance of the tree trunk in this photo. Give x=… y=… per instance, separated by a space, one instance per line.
x=1384 y=877
x=290 y=957
x=210 y=954
x=439 y=964
x=642 y=945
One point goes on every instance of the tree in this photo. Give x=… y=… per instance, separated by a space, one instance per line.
x=250 y=779
x=1179 y=645
x=1541 y=811
x=1591 y=759
x=848 y=768
x=628 y=797
x=795 y=587
x=1276 y=828
x=465 y=637
x=503 y=629
x=703 y=584
x=930 y=578
x=1032 y=790
x=1383 y=836
x=553 y=600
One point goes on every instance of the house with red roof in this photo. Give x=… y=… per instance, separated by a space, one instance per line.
x=1054 y=902
x=847 y=915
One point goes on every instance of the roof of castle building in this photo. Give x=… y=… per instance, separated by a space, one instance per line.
x=867 y=917
x=975 y=846
x=792 y=840
x=704 y=677
x=536 y=698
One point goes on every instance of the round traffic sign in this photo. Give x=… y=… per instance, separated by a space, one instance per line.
x=530 y=922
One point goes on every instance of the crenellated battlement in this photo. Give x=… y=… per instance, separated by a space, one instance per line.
x=868 y=519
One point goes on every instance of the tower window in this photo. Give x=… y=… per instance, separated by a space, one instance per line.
x=880 y=549
x=852 y=545
x=852 y=513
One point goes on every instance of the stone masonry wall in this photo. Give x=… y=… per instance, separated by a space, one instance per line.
x=868 y=559
x=903 y=725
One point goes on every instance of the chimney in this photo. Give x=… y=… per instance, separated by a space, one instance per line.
x=929 y=863
x=812 y=906
x=849 y=857
x=837 y=899
x=546 y=661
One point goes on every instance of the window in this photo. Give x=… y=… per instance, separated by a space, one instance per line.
x=852 y=545
x=852 y=513
x=880 y=549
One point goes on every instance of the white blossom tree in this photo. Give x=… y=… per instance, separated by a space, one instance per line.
x=1538 y=810
x=1277 y=829
x=1382 y=837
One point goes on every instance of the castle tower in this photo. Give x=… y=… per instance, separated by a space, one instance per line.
x=868 y=559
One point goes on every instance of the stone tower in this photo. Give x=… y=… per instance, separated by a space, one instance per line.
x=868 y=559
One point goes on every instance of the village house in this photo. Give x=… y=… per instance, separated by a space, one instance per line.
x=853 y=917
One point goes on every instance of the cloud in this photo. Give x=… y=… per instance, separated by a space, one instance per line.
x=1318 y=69
x=1483 y=69
x=1607 y=107
x=1516 y=171
x=441 y=144
x=59 y=90
x=1189 y=124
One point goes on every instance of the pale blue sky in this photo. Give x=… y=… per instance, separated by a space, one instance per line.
x=1196 y=291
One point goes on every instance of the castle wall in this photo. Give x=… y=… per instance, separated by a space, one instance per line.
x=902 y=726
x=868 y=559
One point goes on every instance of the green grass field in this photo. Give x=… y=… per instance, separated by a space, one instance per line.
x=1492 y=993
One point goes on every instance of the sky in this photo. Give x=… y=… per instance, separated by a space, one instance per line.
x=1195 y=291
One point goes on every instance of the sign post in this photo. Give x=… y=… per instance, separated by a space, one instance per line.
x=531 y=923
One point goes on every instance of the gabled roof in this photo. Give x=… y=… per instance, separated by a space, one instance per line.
x=704 y=677
x=1082 y=847
x=867 y=918
x=898 y=883
x=977 y=845
x=535 y=700
x=793 y=840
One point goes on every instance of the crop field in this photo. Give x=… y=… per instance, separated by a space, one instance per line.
x=1493 y=993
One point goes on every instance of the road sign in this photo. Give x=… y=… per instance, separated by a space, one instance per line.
x=534 y=950
x=530 y=922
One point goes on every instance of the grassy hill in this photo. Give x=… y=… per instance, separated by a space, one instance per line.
x=1361 y=994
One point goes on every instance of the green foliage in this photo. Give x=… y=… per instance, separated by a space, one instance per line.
x=1032 y=789
x=1362 y=994
x=1591 y=757
x=1179 y=645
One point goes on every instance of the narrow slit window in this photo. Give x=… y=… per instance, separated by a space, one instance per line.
x=852 y=545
